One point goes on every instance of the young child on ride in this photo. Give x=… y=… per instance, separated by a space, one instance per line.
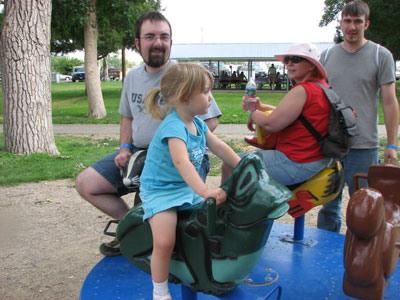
x=297 y=155
x=170 y=179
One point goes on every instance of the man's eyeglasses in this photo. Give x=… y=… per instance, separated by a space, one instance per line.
x=294 y=59
x=152 y=38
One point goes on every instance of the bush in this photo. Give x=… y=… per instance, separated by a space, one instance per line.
x=64 y=65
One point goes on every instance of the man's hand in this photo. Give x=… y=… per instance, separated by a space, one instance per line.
x=391 y=156
x=122 y=157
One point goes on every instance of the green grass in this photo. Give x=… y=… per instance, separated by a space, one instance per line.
x=230 y=104
x=70 y=107
x=76 y=154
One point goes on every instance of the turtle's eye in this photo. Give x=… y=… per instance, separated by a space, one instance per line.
x=245 y=183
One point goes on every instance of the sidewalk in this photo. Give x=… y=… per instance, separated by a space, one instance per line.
x=85 y=129
x=114 y=129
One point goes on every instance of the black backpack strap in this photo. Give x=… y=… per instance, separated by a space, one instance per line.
x=310 y=128
x=307 y=124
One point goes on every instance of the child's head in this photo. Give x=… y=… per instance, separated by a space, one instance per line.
x=178 y=83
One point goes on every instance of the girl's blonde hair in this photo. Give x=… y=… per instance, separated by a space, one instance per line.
x=178 y=83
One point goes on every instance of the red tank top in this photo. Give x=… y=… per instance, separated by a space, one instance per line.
x=295 y=140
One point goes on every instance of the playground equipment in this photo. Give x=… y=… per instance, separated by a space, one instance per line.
x=372 y=244
x=305 y=265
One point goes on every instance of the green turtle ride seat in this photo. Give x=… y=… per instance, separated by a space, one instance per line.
x=217 y=247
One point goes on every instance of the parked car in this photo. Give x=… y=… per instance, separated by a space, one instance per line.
x=114 y=74
x=397 y=74
x=64 y=77
x=78 y=74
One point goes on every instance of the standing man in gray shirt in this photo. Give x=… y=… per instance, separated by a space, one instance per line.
x=357 y=69
x=101 y=184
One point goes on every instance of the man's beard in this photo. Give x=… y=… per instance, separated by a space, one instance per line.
x=156 y=61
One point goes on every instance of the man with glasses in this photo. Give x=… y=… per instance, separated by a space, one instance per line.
x=101 y=184
x=357 y=69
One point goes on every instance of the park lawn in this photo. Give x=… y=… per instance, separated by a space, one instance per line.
x=77 y=153
x=70 y=105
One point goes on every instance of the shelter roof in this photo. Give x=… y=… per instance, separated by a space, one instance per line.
x=233 y=51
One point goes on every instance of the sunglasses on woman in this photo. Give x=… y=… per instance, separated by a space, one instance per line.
x=294 y=59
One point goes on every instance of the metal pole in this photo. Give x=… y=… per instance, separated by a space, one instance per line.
x=299 y=228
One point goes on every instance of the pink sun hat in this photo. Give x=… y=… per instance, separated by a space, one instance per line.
x=307 y=51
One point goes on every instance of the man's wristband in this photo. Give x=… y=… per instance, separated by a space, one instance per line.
x=392 y=147
x=126 y=146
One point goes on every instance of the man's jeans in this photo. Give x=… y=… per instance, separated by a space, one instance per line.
x=356 y=161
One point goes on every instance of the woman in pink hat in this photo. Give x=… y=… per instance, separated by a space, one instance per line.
x=297 y=155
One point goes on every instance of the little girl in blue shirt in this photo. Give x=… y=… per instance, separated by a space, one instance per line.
x=170 y=179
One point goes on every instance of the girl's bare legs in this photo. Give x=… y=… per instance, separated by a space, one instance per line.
x=163 y=228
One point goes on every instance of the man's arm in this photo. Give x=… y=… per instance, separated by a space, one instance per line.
x=125 y=137
x=212 y=123
x=390 y=108
x=211 y=118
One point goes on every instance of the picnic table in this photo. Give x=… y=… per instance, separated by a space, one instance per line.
x=223 y=83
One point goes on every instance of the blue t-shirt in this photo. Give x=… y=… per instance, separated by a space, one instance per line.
x=161 y=185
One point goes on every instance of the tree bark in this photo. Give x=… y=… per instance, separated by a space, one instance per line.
x=25 y=63
x=123 y=64
x=97 y=109
x=105 y=74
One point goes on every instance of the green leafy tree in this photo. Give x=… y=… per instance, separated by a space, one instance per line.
x=116 y=21
x=63 y=64
x=385 y=25
x=100 y=27
x=384 y=18
x=114 y=61
x=67 y=25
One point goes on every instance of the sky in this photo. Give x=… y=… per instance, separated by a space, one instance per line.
x=245 y=21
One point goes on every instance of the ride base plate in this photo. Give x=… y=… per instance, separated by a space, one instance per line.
x=298 y=271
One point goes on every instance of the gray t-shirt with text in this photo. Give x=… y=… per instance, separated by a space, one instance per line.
x=137 y=84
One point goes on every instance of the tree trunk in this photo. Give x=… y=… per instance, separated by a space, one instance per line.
x=105 y=76
x=123 y=64
x=97 y=109
x=25 y=63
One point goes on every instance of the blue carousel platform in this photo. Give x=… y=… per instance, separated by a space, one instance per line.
x=309 y=266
